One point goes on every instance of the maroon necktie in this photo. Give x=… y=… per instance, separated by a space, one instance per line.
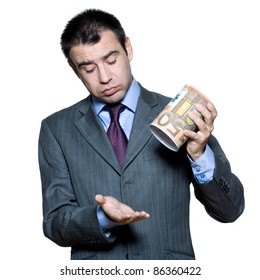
x=115 y=132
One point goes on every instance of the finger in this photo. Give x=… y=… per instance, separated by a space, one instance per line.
x=190 y=134
x=127 y=218
x=206 y=114
x=137 y=216
x=100 y=199
x=200 y=123
x=208 y=117
x=212 y=109
x=123 y=218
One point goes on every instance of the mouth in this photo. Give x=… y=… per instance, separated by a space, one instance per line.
x=109 y=91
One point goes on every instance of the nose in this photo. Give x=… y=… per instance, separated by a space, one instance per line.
x=104 y=75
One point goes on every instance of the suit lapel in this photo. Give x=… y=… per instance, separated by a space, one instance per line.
x=146 y=111
x=91 y=129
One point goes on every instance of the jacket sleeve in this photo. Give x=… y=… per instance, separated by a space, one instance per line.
x=64 y=221
x=223 y=197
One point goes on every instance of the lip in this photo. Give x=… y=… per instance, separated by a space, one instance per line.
x=110 y=91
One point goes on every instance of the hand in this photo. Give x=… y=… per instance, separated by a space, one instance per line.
x=119 y=212
x=197 y=140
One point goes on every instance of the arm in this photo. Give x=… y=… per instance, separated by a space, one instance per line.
x=64 y=221
x=223 y=196
x=203 y=168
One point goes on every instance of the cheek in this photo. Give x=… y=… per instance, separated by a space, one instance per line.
x=123 y=71
x=127 y=67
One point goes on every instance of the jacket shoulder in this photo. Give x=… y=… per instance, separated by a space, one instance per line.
x=68 y=112
x=152 y=96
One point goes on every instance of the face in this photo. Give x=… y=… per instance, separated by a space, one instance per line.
x=104 y=67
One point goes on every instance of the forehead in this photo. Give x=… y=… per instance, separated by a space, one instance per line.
x=107 y=43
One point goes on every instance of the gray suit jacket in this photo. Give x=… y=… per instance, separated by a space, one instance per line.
x=77 y=162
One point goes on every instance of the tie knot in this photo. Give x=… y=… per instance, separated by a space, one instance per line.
x=115 y=110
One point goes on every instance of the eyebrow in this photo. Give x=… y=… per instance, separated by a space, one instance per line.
x=89 y=62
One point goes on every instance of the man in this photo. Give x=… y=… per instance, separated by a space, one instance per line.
x=135 y=207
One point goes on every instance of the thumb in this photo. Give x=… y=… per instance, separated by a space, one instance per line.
x=100 y=199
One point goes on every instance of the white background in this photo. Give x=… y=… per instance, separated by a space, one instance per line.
x=213 y=45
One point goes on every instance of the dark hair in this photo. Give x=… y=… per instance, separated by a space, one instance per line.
x=86 y=28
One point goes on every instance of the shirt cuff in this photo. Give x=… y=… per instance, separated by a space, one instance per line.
x=203 y=168
x=104 y=221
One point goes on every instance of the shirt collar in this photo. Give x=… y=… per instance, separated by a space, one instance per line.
x=130 y=99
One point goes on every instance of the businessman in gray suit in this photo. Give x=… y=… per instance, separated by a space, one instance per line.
x=136 y=207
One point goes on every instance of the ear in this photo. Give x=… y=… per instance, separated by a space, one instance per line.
x=129 y=48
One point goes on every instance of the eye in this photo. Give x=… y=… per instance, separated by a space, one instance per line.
x=89 y=69
x=111 y=61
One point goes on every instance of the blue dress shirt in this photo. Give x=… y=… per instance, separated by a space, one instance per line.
x=126 y=118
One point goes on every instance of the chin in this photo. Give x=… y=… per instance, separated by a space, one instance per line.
x=115 y=98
